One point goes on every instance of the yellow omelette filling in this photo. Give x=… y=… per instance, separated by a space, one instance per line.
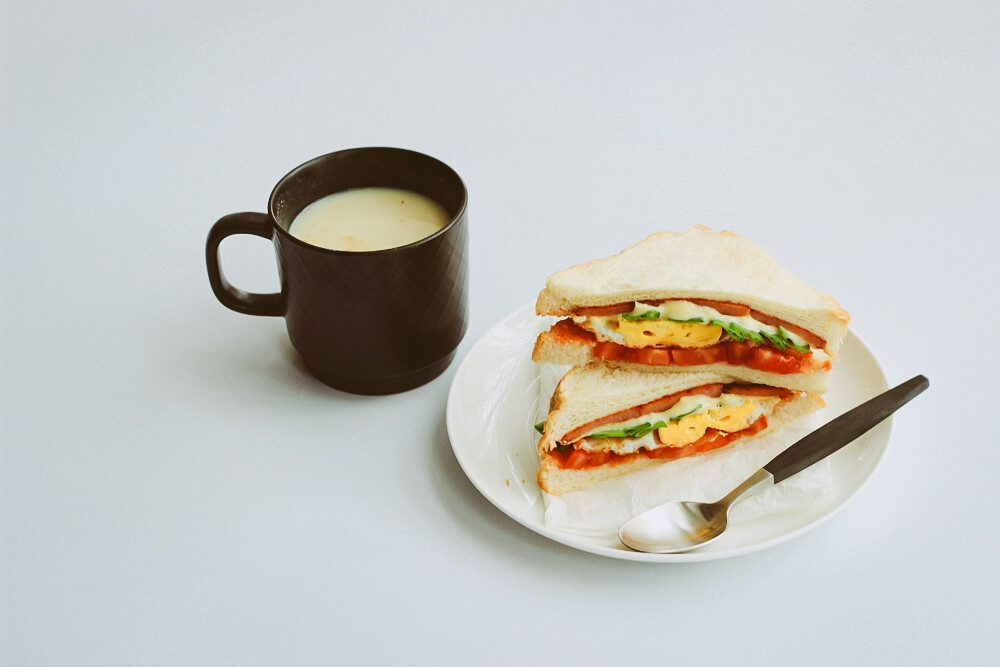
x=667 y=333
x=685 y=422
x=692 y=428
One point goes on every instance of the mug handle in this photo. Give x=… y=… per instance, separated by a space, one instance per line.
x=258 y=224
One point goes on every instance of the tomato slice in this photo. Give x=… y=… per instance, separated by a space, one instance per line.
x=698 y=356
x=764 y=358
x=576 y=460
x=652 y=356
x=608 y=351
x=767 y=359
x=739 y=354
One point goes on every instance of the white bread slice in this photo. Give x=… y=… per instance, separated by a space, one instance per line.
x=703 y=264
x=587 y=393
x=553 y=348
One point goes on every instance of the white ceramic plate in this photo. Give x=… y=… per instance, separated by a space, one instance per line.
x=491 y=410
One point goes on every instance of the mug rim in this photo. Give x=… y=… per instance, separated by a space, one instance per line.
x=459 y=214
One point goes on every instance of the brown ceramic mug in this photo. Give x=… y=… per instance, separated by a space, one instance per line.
x=370 y=322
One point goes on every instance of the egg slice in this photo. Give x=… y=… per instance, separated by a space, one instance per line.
x=667 y=333
x=690 y=429
x=728 y=412
x=670 y=327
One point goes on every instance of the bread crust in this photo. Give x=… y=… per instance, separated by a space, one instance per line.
x=699 y=263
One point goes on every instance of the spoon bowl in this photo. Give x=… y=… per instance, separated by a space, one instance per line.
x=683 y=525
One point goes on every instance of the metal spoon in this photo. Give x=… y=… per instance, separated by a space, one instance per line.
x=684 y=525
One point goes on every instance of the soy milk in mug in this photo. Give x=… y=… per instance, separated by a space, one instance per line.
x=371 y=218
x=387 y=312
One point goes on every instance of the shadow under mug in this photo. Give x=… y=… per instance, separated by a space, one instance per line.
x=372 y=322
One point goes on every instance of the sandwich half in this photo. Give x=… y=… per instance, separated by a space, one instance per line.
x=606 y=422
x=701 y=300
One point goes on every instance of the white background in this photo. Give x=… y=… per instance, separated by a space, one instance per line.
x=177 y=491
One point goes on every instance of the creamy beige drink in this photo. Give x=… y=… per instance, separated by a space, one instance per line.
x=368 y=219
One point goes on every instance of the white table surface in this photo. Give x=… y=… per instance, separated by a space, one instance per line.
x=177 y=491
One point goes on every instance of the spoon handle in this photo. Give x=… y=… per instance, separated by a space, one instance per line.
x=844 y=429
